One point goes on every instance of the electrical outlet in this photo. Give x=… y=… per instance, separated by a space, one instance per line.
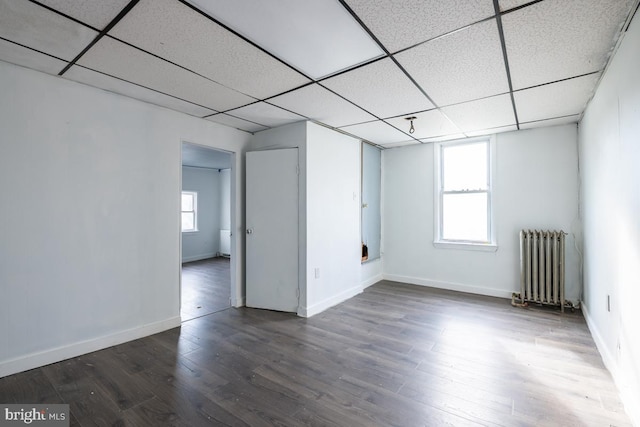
x=609 y=303
x=317 y=273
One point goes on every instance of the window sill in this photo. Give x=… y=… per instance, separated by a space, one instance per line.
x=466 y=246
x=189 y=231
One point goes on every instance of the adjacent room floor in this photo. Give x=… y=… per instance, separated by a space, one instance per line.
x=394 y=355
x=206 y=287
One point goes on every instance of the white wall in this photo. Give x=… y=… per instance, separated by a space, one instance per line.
x=90 y=224
x=609 y=137
x=329 y=217
x=225 y=199
x=333 y=218
x=536 y=186
x=204 y=243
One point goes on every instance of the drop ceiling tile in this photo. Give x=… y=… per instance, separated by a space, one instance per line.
x=402 y=23
x=237 y=123
x=112 y=84
x=317 y=103
x=427 y=124
x=444 y=138
x=377 y=132
x=492 y=131
x=510 y=4
x=125 y=62
x=296 y=31
x=400 y=144
x=166 y=27
x=380 y=88
x=97 y=13
x=459 y=67
x=33 y=26
x=16 y=54
x=554 y=40
x=487 y=113
x=266 y=114
x=559 y=99
x=551 y=122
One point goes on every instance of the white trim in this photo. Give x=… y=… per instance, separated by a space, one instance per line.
x=238 y=302
x=629 y=398
x=439 y=242
x=35 y=360
x=329 y=302
x=466 y=246
x=459 y=287
x=199 y=257
x=371 y=281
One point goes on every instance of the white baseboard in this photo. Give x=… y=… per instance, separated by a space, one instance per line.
x=471 y=289
x=629 y=394
x=239 y=302
x=198 y=257
x=371 y=281
x=329 y=302
x=35 y=360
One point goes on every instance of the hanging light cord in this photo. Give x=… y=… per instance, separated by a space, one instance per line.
x=411 y=119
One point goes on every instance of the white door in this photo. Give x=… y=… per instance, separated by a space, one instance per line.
x=272 y=229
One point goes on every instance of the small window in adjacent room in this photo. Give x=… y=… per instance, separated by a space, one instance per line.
x=464 y=195
x=189 y=209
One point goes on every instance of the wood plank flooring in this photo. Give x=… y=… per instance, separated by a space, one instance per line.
x=395 y=355
x=206 y=287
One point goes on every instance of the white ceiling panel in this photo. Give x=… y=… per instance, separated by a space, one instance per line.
x=401 y=144
x=38 y=28
x=237 y=123
x=381 y=88
x=444 y=138
x=319 y=104
x=459 y=67
x=510 y=4
x=97 y=13
x=487 y=113
x=297 y=32
x=19 y=55
x=551 y=122
x=125 y=62
x=377 y=132
x=427 y=125
x=564 y=98
x=111 y=84
x=266 y=114
x=491 y=131
x=402 y=23
x=173 y=31
x=558 y=39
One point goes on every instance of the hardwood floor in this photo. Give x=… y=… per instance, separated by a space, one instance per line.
x=206 y=287
x=395 y=355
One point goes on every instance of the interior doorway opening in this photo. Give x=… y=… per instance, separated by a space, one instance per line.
x=206 y=224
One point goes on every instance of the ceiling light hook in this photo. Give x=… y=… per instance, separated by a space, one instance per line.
x=411 y=119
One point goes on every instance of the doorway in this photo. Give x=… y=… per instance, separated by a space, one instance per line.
x=206 y=217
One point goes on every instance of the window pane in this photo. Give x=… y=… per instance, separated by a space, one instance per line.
x=465 y=167
x=187 y=202
x=188 y=222
x=464 y=217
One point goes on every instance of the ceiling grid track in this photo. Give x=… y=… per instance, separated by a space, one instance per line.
x=496 y=5
x=106 y=29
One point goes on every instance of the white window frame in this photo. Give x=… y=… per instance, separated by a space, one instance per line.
x=439 y=241
x=195 y=211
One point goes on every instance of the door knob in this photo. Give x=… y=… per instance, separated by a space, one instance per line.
x=249 y=230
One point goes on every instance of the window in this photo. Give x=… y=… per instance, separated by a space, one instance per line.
x=464 y=194
x=189 y=209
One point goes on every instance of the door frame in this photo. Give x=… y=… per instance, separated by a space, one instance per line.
x=235 y=301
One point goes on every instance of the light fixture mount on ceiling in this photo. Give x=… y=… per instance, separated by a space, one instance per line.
x=411 y=119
